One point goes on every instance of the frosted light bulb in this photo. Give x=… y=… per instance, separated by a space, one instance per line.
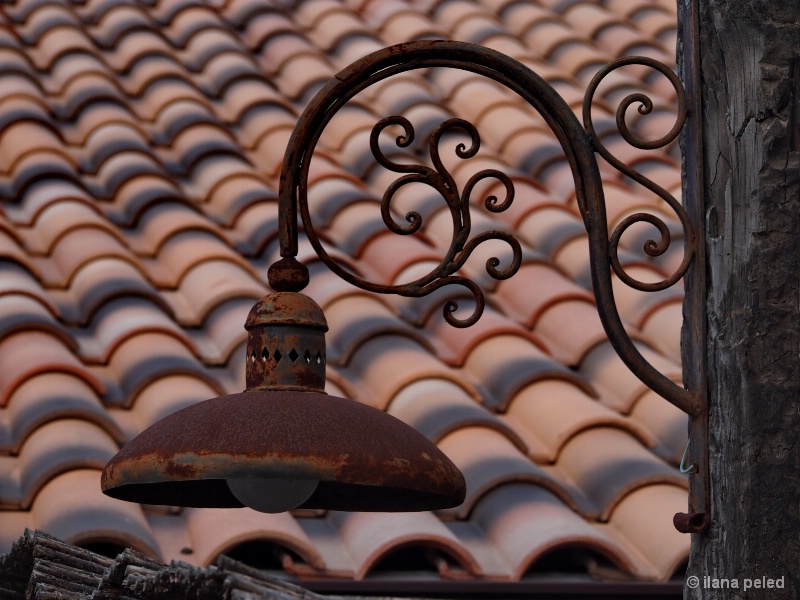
x=272 y=495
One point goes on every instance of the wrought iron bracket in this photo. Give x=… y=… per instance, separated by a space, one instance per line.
x=580 y=144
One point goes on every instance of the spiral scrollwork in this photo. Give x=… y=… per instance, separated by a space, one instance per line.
x=651 y=247
x=461 y=247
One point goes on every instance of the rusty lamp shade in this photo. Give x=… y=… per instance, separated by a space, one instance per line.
x=284 y=443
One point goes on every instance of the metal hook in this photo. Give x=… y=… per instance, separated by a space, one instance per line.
x=692 y=468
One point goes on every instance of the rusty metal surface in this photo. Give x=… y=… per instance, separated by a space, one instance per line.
x=286 y=344
x=651 y=247
x=693 y=337
x=365 y=459
x=691 y=522
x=461 y=246
x=288 y=275
x=284 y=427
x=579 y=146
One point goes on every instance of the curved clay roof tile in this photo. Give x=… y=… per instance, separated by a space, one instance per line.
x=73 y=508
x=48 y=397
x=525 y=522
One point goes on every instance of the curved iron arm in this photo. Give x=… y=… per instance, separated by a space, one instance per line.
x=579 y=146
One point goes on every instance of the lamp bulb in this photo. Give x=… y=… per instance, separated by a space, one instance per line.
x=272 y=495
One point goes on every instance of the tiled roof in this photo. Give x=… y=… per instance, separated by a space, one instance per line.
x=140 y=148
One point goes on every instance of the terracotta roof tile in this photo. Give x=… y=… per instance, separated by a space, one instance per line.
x=438 y=407
x=368 y=537
x=57 y=447
x=49 y=397
x=586 y=459
x=408 y=25
x=166 y=395
x=72 y=507
x=76 y=72
x=160 y=222
x=330 y=195
x=621 y=39
x=548 y=413
x=222 y=334
x=184 y=23
x=21 y=107
x=526 y=522
x=117 y=22
x=118 y=320
x=570 y=328
x=661 y=545
x=544 y=36
x=100 y=281
x=329 y=545
x=118 y=171
x=619 y=387
x=635 y=306
x=77 y=247
x=99 y=115
x=354 y=46
x=57 y=41
x=263 y=26
x=455 y=344
x=389 y=255
x=519 y=16
x=355 y=225
x=300 y=72
x=30 y=353
x=232 y=528
x=589 y=18
x=19 y=312
x=14 y=279
x=58 y=219
x=665 y=422
x=387 y=363
x=356 y=318
x=178 y=115
x=333 y=26
x=660 y=328
x=134 y=364
x=534 y=289
x=93 y=10
x=29 y=138
x=244 y=99
x=503 y=364
x=656 y=23
x=550 y=227
x=476 y=29
x=488 y=459
x=211 y=171
x=256 y=217
x=205 y=285
x=578 y=58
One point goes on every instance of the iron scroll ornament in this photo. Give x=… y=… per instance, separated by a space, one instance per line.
x=579 y=146
x=579 y=143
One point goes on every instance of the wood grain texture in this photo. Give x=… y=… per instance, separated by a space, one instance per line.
x=751 y=195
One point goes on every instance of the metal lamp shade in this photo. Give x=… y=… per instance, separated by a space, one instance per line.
x=363 y=458
x=285 y=428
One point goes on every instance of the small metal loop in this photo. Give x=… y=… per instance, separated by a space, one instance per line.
x=691 y=468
